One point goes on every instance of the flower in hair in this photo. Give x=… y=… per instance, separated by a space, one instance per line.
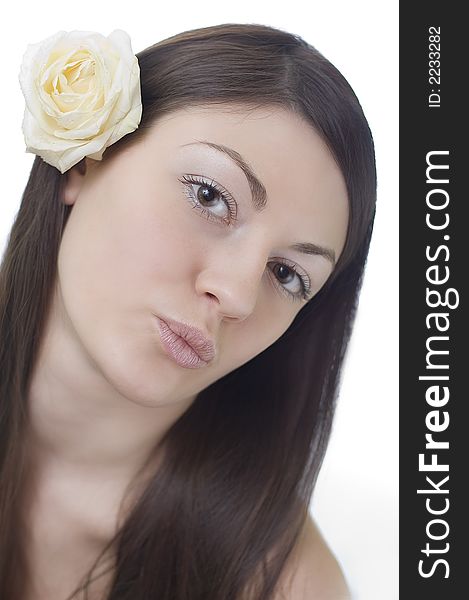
x=82 y=93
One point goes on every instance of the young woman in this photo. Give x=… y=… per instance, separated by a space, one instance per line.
x=173 y=323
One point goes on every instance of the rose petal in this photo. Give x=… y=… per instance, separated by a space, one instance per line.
x=82 y=93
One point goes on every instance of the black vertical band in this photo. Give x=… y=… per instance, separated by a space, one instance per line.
x=434 y=268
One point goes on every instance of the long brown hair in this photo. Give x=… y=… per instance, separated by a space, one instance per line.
x=240 y=465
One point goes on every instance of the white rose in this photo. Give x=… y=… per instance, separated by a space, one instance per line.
x=82 y=93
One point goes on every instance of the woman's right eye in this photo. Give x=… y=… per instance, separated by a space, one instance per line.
x=209 y=198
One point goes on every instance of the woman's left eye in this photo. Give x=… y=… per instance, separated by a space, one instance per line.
x=213 y=201
x=287 y=275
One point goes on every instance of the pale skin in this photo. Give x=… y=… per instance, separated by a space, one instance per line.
x=104 y=391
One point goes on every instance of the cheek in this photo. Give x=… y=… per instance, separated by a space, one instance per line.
x=115 y=253
x=151 y=243
x=166 y=243
x=243 y=341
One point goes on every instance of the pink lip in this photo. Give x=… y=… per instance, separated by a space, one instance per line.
x=187 y=345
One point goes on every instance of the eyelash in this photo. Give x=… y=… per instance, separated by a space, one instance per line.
x=188 y=180
x=227 y=198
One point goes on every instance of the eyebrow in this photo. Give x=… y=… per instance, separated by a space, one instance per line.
x=259 y=197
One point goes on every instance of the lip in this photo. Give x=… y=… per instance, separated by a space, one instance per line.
x=187 y=345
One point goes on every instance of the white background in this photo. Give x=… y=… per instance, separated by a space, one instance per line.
x=355 y=502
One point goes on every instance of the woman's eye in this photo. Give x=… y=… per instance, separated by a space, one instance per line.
x=294 y=284
x=210 y=199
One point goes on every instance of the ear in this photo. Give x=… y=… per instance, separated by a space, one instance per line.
x=75 y=178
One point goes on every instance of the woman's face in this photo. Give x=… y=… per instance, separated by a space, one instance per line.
x=170 y=228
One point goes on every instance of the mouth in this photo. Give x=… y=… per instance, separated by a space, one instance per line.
x=185 y=344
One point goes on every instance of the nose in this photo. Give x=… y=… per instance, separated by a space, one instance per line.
x=232 y=277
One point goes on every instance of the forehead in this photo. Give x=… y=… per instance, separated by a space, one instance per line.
x=304 y=185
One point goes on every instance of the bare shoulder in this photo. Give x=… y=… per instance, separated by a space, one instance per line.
x=313 y=573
